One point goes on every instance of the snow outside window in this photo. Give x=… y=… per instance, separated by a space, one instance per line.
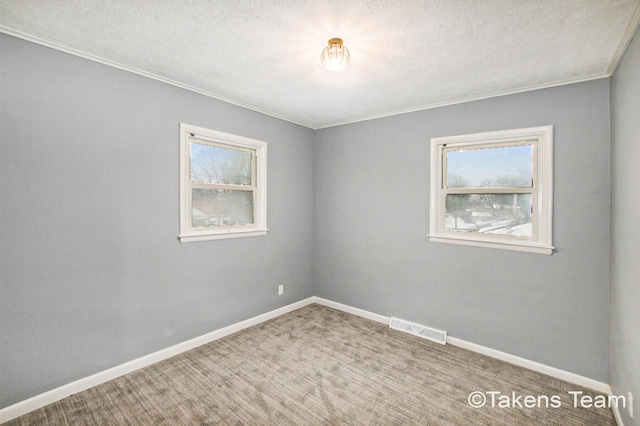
x=223 y=182
x=493 y=189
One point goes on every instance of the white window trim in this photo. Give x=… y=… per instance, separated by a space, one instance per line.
x=190 y=234
x=541 y=238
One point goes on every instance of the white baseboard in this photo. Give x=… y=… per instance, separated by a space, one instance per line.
x=351 y=310
x=522 y=362
x=567 y=376
x=49 y=397
x=46 y=398
x=616 y=410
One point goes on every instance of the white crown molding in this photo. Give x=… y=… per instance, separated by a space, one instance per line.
x=632 y=28
x=113 y=64
x=467 y=100
x=55 y=46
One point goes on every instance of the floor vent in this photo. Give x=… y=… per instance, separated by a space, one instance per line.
x=419 y=330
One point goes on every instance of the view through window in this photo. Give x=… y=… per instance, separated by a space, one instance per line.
x=489 y=189
x=493 y=189
x=223 y=185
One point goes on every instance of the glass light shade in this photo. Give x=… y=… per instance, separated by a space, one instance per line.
x=335 y=56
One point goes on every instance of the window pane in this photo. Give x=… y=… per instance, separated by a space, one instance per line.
x=221 y=207
x=213 y=164
x=501 y=167
x=508 y=214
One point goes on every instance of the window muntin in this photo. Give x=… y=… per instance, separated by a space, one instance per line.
x=223 y=185
x=493 y=189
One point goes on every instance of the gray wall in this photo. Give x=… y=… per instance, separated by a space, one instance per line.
x=92 y=274
x=625 y=230
x=372 y=250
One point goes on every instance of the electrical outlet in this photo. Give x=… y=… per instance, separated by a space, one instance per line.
x=280 y=289
x=630 y=402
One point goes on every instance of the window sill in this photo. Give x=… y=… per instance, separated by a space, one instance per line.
x=231 y=233
x=523 y=246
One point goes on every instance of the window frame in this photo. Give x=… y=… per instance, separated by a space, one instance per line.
x=189 y=233
x=540 y=241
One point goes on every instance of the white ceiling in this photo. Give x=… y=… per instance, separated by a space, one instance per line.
x=405 y=54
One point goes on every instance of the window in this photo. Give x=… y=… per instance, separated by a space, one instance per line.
x=493 y=189
x=223 y=185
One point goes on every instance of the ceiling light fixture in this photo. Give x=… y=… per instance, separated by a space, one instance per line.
x=335 y=56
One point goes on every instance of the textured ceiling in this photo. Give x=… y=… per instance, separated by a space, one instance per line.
x=405 y=54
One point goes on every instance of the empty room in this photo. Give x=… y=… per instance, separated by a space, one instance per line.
x=304 y=212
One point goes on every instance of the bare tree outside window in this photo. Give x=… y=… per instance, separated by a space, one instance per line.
x=493 y=190
x=228 y=167
x=486 y=211
x=223 y=185
x=214 y=164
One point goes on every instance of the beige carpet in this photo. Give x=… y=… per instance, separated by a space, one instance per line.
x=320 y=366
